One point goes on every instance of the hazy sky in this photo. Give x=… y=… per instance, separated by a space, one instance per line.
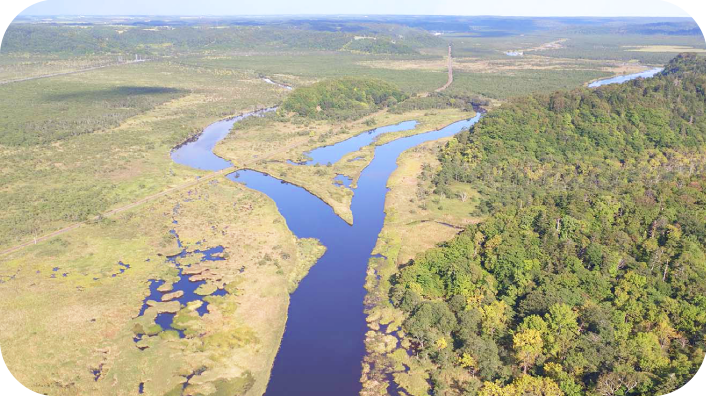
x=410 y=7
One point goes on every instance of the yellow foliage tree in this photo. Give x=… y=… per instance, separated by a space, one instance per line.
x=528 y=346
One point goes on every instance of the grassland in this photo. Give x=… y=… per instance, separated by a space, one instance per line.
x=666 y=49
x=70 y=298
x=297 y=68
x=552 y=61
x=573 y=45
x=20 y=66
x=415 y=220
x=83 y=143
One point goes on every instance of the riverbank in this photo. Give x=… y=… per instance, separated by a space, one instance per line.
x=415 y=220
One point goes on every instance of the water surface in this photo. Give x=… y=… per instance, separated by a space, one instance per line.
x=198 y=152
x=267 y=80
x=322 y=348
x=333 y=153
x=627 y=77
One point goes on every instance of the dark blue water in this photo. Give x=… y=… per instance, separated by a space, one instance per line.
x=322 y=348
x=332 y=154
x=198 y=153
x=627 y=77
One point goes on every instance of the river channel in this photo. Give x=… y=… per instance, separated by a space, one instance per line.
x=322 y=348
x=627 y=77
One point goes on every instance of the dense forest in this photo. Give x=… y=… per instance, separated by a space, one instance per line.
x=161 y=40
x=343 y=98
x=587 y=275
x=374 y=46
x=166 y=40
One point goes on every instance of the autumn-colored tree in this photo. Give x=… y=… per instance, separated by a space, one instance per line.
x=525 y=385
x=562 y=329
x=468 y=362
x=495 y=318
x=528 y=346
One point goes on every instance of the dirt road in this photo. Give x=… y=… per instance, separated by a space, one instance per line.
x=451 y=73
x=72 y=72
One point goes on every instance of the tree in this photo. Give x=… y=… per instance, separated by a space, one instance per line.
x=494 y=318
x=528 y=346
x=441 y=343
x=650 y=355
x=617 y=383
x=468 y=362
x=562 y=328
x=525 y=385
x=591 y=249
x=492 y=389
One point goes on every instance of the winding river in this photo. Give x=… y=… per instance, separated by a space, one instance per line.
x=322 y=348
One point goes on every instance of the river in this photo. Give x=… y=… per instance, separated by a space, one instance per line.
x=627 y=77
x=322 y=348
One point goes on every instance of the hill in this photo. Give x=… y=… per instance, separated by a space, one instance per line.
x=343 y=98
x=586 y=276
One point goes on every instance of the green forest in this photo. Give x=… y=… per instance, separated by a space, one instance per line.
x=375 y=46
x=586 y=276
x=343 y=98
x=161 y=40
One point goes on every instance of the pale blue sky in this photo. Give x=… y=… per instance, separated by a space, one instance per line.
x=408 y=7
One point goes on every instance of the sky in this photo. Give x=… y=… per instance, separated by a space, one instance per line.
x=359 y=7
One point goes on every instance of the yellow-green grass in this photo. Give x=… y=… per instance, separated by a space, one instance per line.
x=301 y=66
x=666 y=48
x=506 y=65
x=25 y=65
x=50 y=185
x=267 y=145
x=56 y=331
x=415 y=221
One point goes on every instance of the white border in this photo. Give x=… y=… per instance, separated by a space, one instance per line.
x=10 y=386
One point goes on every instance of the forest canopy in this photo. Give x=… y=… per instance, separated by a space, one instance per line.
x=343 y=98
x=587 y=275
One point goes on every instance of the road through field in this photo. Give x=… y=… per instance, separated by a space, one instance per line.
x=73 y=71
x=451 y=73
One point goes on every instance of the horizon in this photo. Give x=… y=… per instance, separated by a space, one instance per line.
x=548 y=8
x=357 y=15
